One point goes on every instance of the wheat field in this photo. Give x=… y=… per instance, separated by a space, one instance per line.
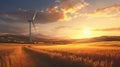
x=97 y=54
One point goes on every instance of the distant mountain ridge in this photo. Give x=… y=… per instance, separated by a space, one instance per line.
x=98 y=39
x=25 y=39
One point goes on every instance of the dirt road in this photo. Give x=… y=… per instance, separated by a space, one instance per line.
x=15 y=57
x=25 y=56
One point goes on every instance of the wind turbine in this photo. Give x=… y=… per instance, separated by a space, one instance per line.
x=31 y=23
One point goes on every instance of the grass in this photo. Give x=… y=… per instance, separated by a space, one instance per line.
x=97 y=54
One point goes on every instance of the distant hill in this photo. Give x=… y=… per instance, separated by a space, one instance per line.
x=25 y=39
x=98 y=39
x=16 y=39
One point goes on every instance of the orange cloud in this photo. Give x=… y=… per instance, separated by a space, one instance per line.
x=110 y=11
x=115 y=7
x=71 y=8
x=108 y=29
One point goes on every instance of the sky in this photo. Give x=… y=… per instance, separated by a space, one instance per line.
x=74 y=19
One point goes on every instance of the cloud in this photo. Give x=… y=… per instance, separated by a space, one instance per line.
x=49 y=16
x=109 y=9
x=62 y=11
x=108 y=29
x=12 y=22
x=63 y=27
x=106 y=12
x=59 y=28
x=15 y=22
x=71 y=8
x=12 y=29
x=24 y=16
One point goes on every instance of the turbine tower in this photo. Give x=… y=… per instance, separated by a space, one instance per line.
x=31 y=23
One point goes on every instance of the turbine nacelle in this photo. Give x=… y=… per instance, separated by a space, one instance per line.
x=30 y=20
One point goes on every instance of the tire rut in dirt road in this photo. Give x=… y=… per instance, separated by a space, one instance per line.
x=40 y=60
x=16 y=58
x=43 y=59
x=4 y=53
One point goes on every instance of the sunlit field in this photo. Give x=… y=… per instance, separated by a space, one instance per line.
x=98 y=54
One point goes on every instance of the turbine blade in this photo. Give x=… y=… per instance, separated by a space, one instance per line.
x=33 y=19
x=34 y=16
x=33 y=25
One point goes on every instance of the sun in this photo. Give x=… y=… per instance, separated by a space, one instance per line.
x=86 y=32
x=82 y=33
